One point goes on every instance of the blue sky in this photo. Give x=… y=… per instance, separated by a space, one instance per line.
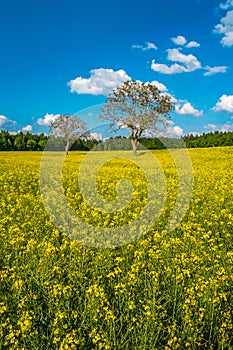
x=66 y=56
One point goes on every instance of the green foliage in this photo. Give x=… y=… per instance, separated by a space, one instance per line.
x=21 y=141
x=211 y=139
x=114 y=144
x=35 y=142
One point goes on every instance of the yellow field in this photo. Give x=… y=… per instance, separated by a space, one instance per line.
x=164 y=290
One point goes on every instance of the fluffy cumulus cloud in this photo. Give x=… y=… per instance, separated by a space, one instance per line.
x=101 y=82
x=220 y=127
x=192 y=44
x=181 y=106
x=174 y=131
x=225 y=104
x=5 y=121
x=187 y=109
x=189 y=63
x=225 y=27
x=165 y=69
x=171 y=130
x=159 y=85
x=215 y=70
x=172 y=97
x=27 y=128
x=48 y=118
x=179 y=40
x=147 y=46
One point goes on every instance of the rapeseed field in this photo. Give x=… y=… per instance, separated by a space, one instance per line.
x=163 y=290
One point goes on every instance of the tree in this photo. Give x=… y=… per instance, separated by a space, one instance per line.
x=69 y=127
x=42 y=144
x=31 y=144
x=20 y=142
x=139 y=107
x=6 y=141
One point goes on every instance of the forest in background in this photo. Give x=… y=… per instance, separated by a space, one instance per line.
x=37 y=142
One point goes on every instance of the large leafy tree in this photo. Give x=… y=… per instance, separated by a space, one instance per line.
x=140 y=107
x=69 y=128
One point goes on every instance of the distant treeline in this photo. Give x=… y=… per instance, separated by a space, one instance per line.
x=210 y=139
x=35 y=142
x=124 y=143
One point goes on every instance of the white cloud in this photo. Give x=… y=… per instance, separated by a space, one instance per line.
x=179 y=40
x=226 y=5
x=164 y=90
x=170 y=123
x=27 y=128
x=187 y=109
x=194 y=133
x=165 y=69
x=215 y=70
x=5 y=121
x=101 y=82
x=225 y=104
x=174 y=131
x=225 y=27
x=192 y=44
x=190 y=63
x=146 y=47
x=97 y=136
x=121 y=124
x=226 y=127
x=220 y=127
x=135 y=46
x=159 y=85
x=181 y=106
x=172 y=98
x=150 y=46
x=171 y=130
x=210 y=127
x=48 y=118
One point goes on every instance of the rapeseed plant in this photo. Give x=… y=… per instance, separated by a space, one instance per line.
x=165 y=290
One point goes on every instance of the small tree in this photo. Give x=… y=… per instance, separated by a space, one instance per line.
x=69 y=127
x=138 y=106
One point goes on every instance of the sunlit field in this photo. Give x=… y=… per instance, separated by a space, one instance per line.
x=164 y=290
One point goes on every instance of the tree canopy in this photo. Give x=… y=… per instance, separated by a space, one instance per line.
x=140 y=107
x=69 y=127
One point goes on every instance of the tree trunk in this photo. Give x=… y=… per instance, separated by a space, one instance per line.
x=67 y=147
x=135 y=146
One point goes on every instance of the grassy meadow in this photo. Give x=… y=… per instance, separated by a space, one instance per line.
x=164 y=290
